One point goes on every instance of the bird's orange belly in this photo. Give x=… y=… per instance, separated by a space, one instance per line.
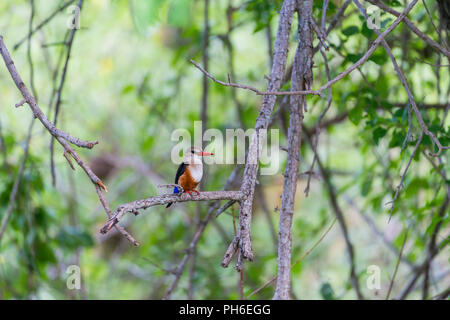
x=187 y=182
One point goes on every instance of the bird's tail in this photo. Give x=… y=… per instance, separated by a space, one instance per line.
x=175 y=190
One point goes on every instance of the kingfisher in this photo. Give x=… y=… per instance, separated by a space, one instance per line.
x=190 y=171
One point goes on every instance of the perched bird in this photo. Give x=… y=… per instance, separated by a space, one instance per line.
x=190 y=171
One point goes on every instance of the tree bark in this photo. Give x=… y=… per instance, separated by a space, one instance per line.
x=301 y=79
x=262 y=122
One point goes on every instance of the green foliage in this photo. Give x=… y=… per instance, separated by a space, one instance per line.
x=262 y=12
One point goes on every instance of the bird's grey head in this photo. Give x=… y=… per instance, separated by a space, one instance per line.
x=194 y=155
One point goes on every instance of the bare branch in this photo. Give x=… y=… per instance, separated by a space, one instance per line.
x=120 y=229
x=298 y=260
x=143 y=204
x=318 y=126
x=408 y=91
x=255 y=90
x=232 y=248
x=422 y=268
x=396 y=265
x=301 y=79
x=340 y=217
x=43 y=23
x=33 y=104
x=363 y=59
x=69 y=44
x=411 y=25
x=429 y=16
x=319 y=34
x=262 y=123
x=62 y=137
x=372 y=225
x=200 y=229
x=17 y=181
x=402 y=179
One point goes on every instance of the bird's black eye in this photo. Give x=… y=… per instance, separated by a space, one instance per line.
x=192 y=151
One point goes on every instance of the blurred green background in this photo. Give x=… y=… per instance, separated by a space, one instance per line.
x=130 y=84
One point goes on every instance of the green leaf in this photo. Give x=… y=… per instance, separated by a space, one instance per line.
x=414 y=186
x=72 y=238
x=355 y=115
x=385 y=23
x=353 y=58
x=350 y=31
x=367 y=32
x=44 y=254
x=397 y=139
x=379 y=58
x=127 y=89
x=378 y=133
x=366 y=185
x=327 y=292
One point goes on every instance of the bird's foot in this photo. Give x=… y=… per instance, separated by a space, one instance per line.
x=193 y=191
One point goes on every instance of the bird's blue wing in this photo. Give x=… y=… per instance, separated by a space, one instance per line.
x=180 y=171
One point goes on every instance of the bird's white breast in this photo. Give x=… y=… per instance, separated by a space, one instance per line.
x=196 y=171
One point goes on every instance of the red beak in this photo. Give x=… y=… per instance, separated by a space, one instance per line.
x=206 y=154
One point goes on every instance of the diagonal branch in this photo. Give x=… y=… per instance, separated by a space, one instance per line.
x=340 y=217
x=143 y=204
x=198 y=233
x=411 y=25
x=33 y=104
x=62 y=137
x=402 y=77
x=69 y=44
x=391 y=284
x=43 y=23
x=298 y=260
x=274 y=91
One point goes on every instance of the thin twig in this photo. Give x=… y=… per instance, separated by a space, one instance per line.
x=62 y=137
x=69 y=44
x=391 y=284
x=198 y=233
x=43 y=23
x=319 y=91
x=402 y=179
x=318 y=126
x=340 y=217
x=411 y=25
x=17 y=181
x=411 y=100
x=143 y=204
x=33 y=104
x=298 y=260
